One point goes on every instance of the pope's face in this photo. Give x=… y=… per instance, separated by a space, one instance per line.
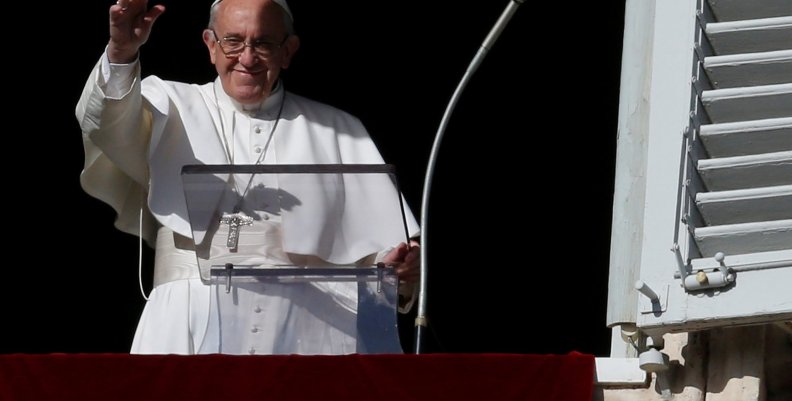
x=248 y=77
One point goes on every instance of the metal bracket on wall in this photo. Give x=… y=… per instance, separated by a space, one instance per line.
x=651 y=302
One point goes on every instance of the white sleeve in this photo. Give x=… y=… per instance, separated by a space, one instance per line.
x=116 y=132
x=116 y=80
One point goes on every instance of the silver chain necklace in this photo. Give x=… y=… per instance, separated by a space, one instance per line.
x=237 y=218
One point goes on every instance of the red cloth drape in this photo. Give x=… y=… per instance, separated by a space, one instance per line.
x=488 y=377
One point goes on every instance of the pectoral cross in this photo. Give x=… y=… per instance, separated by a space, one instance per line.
x=235 y=221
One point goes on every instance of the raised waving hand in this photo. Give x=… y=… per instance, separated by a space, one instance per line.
x=130 y=26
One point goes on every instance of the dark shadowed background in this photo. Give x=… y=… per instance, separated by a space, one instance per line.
x=521 y=204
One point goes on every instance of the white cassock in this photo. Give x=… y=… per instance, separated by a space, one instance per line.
x=138 y=134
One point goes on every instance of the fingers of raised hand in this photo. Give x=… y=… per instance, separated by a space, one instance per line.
x=123 y=5
x=131 y=6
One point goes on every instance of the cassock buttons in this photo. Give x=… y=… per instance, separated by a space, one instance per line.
x=252 y=351
x=257 y=310
x=257 y=130
x=254 y=330
x=257 y=149
x=265 y=217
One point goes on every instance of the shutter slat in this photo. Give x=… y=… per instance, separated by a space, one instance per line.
x=744 y=238
x=752 y=171
x=747 y=137
x=745 y=205
x=748 y=103
x=732 y=10
x=750 y=69
x=751 y=36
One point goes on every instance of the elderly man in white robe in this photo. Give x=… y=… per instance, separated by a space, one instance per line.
x=138 y=133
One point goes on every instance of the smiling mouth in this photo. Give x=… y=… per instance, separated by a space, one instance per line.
x=249 y=72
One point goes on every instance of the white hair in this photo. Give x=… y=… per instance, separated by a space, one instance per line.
x=288 y=18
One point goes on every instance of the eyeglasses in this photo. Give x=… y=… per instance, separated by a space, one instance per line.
x=234 y=46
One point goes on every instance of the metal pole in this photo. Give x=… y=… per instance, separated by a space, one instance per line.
x=421 y=321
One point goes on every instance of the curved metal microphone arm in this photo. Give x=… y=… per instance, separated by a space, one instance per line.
x=420 y=319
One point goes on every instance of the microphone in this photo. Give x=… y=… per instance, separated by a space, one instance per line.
x=421 y=321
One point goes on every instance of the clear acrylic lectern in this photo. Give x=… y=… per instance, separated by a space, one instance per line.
x=291 y=254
